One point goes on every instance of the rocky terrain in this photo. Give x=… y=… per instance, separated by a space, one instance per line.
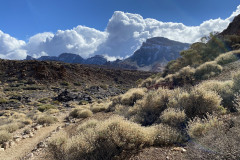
x=35 y=94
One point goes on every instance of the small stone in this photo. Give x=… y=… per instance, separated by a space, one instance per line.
x=31 y=135
x=180 y=149
x=11 y=143
x=38 y=127
x=5 y=145
x=29 y=156
x=58 y=128
x=2 y=149
x=184 y=150
x=18 y=139
x=25 y=136
x=167 y=158
x=42 y=145
x=67 y=124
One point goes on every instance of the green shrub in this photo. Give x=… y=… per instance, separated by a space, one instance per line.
x=207 y=70
x=81 y=113
x=46 y=107
x=226 y=58
x=4 y=136
x=46 y=120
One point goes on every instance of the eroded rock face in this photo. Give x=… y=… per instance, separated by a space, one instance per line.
x=233 y=28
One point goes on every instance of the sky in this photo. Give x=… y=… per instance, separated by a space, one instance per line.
x=114 y=28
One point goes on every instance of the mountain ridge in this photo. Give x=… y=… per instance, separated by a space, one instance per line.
x=153 y=55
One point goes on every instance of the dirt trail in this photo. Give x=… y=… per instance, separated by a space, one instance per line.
x=25 y=146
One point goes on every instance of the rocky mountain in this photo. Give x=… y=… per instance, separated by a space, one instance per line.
x=233 y=28
x=153 y=55
x=98 y=60
x=72 y=58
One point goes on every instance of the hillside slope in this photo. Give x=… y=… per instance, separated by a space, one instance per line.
x=50 y=72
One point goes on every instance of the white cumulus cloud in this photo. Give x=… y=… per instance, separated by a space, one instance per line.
x=124 y=33
x=11 y=48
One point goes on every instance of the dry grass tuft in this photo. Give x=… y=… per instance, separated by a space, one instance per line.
x=110 y=139
x=226 y=58
x=81 y=113
x=207 y=70
x=12 y=127
x=4 y=136
x=173 y=117
x=200 y=102
x=46 y=120
x=131 y=96
x=198 y=127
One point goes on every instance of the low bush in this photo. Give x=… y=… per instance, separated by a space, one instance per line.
x=131 y=96
x=182 y=77
x=236 y=82
x=99 y=107
x=148 y=110
x=200 y=102
x=81 y=113
x=12 y=127
x=226 y=58
x=4 y=136
x=207 y=70
x=166 y=135
x=173 y=117
x=45 y=107
x=104 y=140
x=46 y=120
x=147 y=83
x=223 y=89
x=198 y=127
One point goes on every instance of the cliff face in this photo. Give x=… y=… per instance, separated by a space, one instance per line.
x=233 y=28
x=156 y=53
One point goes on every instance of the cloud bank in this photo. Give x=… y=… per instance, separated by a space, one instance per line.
x=124 y=33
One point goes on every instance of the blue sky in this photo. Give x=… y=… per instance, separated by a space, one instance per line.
x=24 y=18
x=113 y=28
